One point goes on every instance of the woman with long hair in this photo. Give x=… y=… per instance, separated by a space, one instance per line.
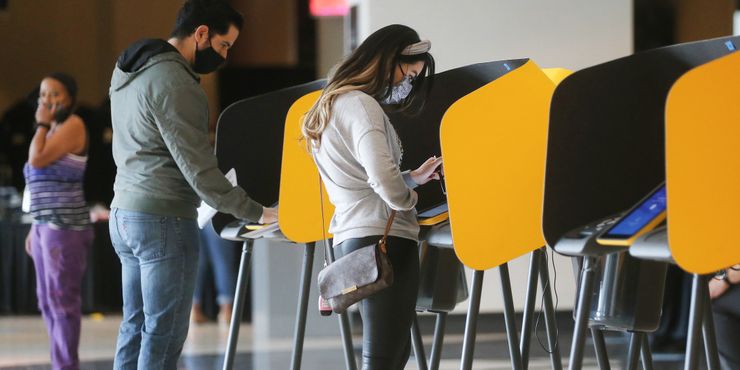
x=358 y=154
x=61 y=233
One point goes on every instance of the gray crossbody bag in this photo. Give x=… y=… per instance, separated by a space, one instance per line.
x=357 y=275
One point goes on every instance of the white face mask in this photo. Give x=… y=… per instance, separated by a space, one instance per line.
x=400 y=91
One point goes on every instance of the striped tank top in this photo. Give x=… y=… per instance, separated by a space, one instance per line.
x=57 y=196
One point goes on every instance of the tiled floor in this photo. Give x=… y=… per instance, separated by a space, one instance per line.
x=23 y=345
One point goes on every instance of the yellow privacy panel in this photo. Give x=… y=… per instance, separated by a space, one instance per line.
x=703 y=166
x=300 y=205
x=494 y=145
x=556 y=75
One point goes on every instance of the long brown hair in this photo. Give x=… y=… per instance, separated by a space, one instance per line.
x=370 y=69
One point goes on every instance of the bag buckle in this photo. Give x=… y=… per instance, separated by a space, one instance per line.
x=349 y=290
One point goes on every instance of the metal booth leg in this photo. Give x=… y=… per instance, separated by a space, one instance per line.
x=344 y=328
x=509 y=317
x=236 y=315
x=600 y=348
x=418 y=345
x=349 y=351
x=646 y=355
x=710 y=339
x=698 y=289
x=471 y=322
x=529 y=302
x=439 y=334
x=549 y=312
x=300 y=321
x=437 y=341
x=633 y=351
x=582 y=309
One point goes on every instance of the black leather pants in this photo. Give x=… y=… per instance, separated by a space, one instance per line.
x=387 y=315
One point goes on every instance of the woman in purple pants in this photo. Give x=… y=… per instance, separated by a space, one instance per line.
x=61 y=233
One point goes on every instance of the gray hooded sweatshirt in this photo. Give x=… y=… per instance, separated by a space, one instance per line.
x=160 y=138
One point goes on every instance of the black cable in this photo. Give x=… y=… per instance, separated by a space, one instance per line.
x=542 y=304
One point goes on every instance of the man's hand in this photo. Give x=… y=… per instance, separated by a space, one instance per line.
x=269 y=215
x=717 y=288
x=733 y=274
x=427 y=171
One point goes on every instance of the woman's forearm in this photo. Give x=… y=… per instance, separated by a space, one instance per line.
x=37 y=146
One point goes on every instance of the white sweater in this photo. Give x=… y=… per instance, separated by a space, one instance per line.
x=358 y=160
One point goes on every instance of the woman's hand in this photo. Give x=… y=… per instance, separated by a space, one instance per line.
x=269 y=215
x=28 y=245
x=44 y=113
x=427 y=171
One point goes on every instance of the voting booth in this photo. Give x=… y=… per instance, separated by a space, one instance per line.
x=249 y=140
x=702 y=178
x=420 y=134
x=606 y=151
x=493 y=144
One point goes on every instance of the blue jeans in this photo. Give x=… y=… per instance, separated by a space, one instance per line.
x=216 y=255
x=159 y=257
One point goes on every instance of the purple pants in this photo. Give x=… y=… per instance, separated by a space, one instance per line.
x=59 y=257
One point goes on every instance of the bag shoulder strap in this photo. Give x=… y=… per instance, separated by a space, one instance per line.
x=387 y=230
x=390 y=223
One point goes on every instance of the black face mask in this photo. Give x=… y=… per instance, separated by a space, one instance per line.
x=207 y=60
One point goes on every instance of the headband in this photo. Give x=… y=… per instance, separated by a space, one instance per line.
x=417 y=48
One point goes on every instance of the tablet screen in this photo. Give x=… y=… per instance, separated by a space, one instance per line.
x=640 y=216
x=434 y=211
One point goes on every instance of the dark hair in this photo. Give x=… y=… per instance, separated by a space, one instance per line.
x=385 y=46
x=370 y=69
x=69 y=84
x=215 y=14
